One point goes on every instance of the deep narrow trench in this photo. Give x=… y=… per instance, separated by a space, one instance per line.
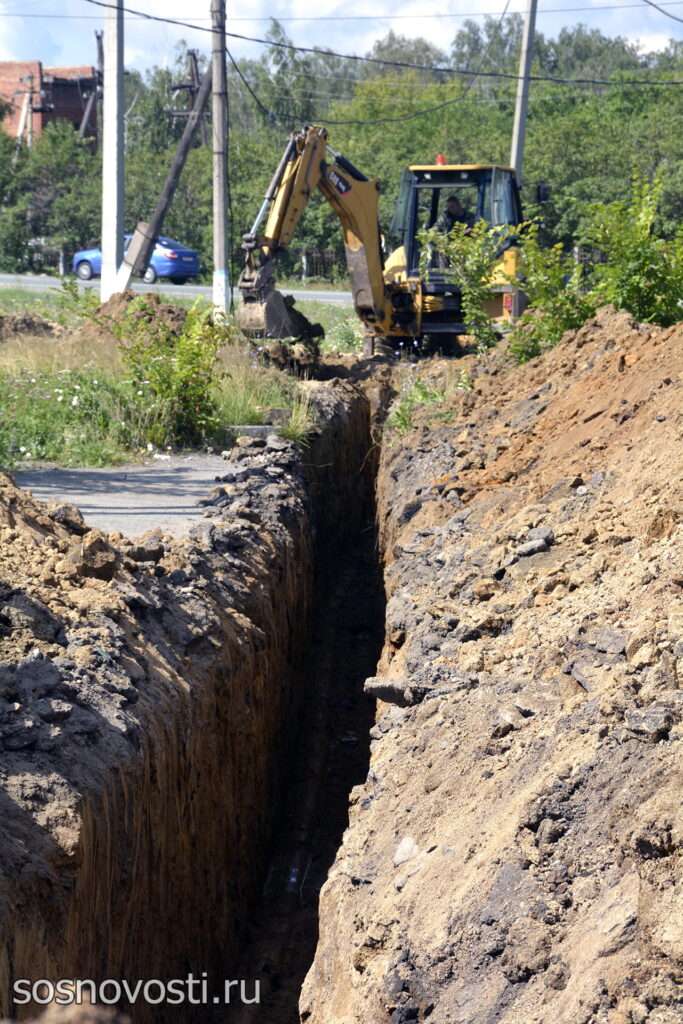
x=208 y=812
x=330 y=756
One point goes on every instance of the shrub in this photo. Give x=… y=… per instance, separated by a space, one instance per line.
x=470 y=254
x=642 y=272
x=175 y=373
x=554 y=285
x=345 y=335
x=73 y=304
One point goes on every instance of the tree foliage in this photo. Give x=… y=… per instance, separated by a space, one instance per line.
x=468 y=257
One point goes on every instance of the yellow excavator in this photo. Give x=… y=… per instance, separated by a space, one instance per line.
x=399 y=305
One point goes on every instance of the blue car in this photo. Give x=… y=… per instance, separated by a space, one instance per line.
x=170 y=259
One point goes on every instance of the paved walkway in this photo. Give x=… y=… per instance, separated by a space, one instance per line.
x=133 y=499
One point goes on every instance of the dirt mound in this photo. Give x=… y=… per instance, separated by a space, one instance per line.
x=117 y=311
x=516 y=853
x=112 y=321
x=12 y=324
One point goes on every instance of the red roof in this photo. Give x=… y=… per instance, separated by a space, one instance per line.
x=82 y=71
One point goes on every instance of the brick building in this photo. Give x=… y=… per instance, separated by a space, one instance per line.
x=38 y=95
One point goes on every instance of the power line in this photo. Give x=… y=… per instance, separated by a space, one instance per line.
x=661 y=10
x=292 y=118
x=374 y=17
x=271 y=115
x=262 y=107
x=407 y=65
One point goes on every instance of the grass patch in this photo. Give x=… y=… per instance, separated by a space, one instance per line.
x=78 y=401
x=50 y=302
x=343 y=329
x=26 y=300
x=302 y=421
x=248 y=391
x=416 y=395
x=314 y=284
x=74 y=418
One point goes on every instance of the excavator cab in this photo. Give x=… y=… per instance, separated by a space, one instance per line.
x=483 y=192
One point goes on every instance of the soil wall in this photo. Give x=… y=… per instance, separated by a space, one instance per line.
x=148 y=697
x=516 y=853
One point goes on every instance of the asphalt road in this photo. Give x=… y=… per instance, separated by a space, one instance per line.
x=160 y=493
x=37 y=282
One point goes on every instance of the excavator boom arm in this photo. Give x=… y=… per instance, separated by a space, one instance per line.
x=354 y=198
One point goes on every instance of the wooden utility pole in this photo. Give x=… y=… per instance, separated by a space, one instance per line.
x=112 y=150
x=143 y=241
x=29 y=126
x=96 y=94
x=521 y=107
x=191 y=86
x=221 y=274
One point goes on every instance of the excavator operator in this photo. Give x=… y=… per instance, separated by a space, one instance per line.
x=453 y=214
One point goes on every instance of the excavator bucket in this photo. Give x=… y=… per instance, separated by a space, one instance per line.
x=288 y=338
x=275 y=316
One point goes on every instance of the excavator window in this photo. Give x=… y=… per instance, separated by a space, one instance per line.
x=488 y=193
x=401 y=218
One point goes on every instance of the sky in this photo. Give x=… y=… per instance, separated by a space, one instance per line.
x=61 y=32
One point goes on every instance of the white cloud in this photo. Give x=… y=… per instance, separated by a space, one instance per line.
x=649 y=42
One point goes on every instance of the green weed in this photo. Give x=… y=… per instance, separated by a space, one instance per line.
x=416 y=395
x=302 y=421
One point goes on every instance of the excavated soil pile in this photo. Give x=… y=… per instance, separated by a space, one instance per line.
x=13 y=324
x=516 y=854
x=111 y=323
x=150 y=309
x=147 y=695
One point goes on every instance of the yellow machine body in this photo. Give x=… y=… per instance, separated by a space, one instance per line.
x=397 y=302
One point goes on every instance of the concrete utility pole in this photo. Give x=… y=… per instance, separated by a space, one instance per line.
x=112 y=150
x=221 y=273
x=23 y=119
x=519 y=129
x=142 y=243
